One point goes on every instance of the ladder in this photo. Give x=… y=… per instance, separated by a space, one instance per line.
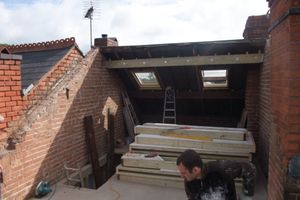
x=169 y=113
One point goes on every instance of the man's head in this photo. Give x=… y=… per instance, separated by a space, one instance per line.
x=190 y=165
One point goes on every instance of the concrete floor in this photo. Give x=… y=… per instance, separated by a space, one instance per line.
x=115 y=189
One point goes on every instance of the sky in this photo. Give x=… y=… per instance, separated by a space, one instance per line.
x=132 y=22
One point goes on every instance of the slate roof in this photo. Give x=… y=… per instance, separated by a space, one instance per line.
x=40 y=58
x=36 y=64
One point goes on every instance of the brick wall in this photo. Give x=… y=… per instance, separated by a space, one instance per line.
x=53 y=132
x=10 y=90
x=265 y=117
x=257 y=101
x=285 y=75
x=105 y=41
x=251 y=101
x=257 y=27
x=39 y=92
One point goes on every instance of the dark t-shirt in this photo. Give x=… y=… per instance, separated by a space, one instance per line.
x=214 y=185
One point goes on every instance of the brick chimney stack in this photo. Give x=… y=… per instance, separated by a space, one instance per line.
x=105 y=41
x=10 y=89
x=257 y=27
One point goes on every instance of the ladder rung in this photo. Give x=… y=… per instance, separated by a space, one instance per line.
x=169 y=101
x=170 y=110
x=169 y=117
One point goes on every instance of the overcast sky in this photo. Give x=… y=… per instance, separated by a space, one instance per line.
x=132 y=22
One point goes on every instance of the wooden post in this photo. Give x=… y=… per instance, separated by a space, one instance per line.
x=92 y=149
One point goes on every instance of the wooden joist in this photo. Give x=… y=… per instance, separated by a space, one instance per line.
x=152 y=157
x=190 y=132
x=195 y=127
x=163 y=178
x=158 y=180
x=162 y=172
x=215 y=145
x=140 y=160
x=254 y=58
x=176 y=151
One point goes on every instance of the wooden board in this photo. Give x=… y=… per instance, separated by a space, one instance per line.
x=216 y=144
x=158 y=180
x=139 y=160
x=205 y=158
x=162 y=172
x=196 y=127
x=177 y=150
x=191 y=133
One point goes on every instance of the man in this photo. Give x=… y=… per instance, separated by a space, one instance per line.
x=201 y=183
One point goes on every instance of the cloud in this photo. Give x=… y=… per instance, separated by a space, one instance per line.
x=131 y=21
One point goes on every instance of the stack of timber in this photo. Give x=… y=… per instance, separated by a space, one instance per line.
x=152 y=157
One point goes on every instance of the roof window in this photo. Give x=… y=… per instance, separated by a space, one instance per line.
x=214 y=79
x=146 y=80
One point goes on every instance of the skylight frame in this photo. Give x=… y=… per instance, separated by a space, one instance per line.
x=143 y=84
x=218 y=80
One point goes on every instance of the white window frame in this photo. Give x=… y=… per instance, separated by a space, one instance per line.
x=210 y=81
x=144 y=85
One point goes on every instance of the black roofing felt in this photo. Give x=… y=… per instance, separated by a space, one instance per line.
x=36 y=64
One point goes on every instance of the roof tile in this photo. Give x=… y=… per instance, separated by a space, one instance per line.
x=42 y=46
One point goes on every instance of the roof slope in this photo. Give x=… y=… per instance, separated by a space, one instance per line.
x=36 y=64
x=39 y=58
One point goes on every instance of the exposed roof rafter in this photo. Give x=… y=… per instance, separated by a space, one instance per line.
x=186 y=61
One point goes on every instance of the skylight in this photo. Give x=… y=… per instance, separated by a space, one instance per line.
x=146 y=80
x=214 y=78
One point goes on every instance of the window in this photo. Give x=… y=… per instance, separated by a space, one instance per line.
x=146 y=80
x=214 y=79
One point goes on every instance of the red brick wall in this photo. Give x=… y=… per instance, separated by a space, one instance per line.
x=106 y=41
x=285 y=74
x=251 y=101
x=10 y=92
x=50 y=79
x=257 y=27
x=54 y=130
x=257 y=92
x=39 y=92
x=265 y=117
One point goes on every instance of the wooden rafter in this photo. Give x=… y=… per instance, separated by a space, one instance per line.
x=186 y=61
x=224 y=94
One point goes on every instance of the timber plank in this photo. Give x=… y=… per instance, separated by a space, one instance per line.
x=225 y=145
x=157 y=148
x=158 y=180
x=165 y=181
x=196 y=127
x=140 y=160
x=205 y=157
x=162 y=172
x=193 y=133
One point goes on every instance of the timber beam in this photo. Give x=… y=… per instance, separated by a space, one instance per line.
x=223 y=94
x=186 y=61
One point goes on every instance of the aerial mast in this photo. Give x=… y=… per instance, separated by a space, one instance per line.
x=91 y=10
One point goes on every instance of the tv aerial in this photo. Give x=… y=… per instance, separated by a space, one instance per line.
x=91 y=11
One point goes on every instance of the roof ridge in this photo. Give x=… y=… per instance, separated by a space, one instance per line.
x=40 y=46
